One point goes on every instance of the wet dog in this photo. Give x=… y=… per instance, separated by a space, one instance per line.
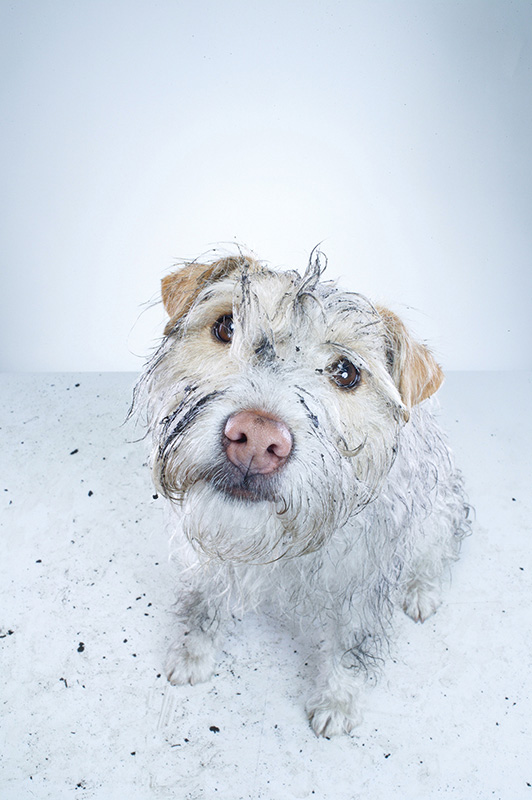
x=293 y=438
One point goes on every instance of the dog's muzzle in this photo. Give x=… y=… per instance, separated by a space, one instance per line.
x=257 y=446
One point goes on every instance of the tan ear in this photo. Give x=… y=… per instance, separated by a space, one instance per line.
x=180 y=289
x=413 y=367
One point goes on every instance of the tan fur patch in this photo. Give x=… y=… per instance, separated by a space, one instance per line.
x=415 y=371
x=180 y=289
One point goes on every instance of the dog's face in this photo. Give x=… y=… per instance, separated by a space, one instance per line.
x=275 y=402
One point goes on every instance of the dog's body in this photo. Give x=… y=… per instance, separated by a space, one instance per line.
x=291 y=436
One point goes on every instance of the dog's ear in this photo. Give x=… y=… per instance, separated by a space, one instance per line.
x=180 y=289
x=412 y=366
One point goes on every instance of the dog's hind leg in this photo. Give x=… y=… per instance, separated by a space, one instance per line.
x=425 y=578
x=422 y=597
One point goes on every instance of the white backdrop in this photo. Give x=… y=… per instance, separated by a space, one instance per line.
x=134 y=133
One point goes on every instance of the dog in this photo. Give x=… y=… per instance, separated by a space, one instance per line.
x=295 y=446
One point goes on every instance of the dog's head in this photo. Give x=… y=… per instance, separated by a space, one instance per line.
x=275 y=403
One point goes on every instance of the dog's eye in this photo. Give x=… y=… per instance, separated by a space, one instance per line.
x=344 y=374
x=223 y=328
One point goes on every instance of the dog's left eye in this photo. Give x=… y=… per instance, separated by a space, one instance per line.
x=344 y=374
x=223 y=329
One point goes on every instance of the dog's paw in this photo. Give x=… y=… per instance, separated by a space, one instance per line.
x=191 y=660
x=421 y=600
x=332 y=719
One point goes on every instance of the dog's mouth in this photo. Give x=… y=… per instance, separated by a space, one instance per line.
x=247 y=495
x=249 y=487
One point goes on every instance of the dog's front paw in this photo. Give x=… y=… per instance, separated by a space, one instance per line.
x=191 y=660
x=421 y=600
x=332 y=719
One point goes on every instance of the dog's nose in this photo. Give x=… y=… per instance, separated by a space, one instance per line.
x=256 y=442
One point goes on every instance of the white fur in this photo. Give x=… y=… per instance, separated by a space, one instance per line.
x=368 y=510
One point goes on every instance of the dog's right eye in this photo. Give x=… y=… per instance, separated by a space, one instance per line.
x=223 y=329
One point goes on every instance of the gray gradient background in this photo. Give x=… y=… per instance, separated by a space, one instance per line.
x=135 y=133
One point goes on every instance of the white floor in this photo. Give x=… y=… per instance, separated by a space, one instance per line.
x=86 y=590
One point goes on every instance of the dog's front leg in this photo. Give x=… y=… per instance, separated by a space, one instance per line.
x=192 y=657
x=334 y=708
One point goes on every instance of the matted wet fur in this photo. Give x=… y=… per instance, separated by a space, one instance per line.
x=296 y=449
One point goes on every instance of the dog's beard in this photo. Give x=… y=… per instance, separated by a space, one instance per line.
x=299 y=518
x=224 y=528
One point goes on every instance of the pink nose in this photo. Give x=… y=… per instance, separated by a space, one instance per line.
x=257 y=443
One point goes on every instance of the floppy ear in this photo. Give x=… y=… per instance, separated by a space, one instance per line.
x=413 y=367
x=180 y=289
